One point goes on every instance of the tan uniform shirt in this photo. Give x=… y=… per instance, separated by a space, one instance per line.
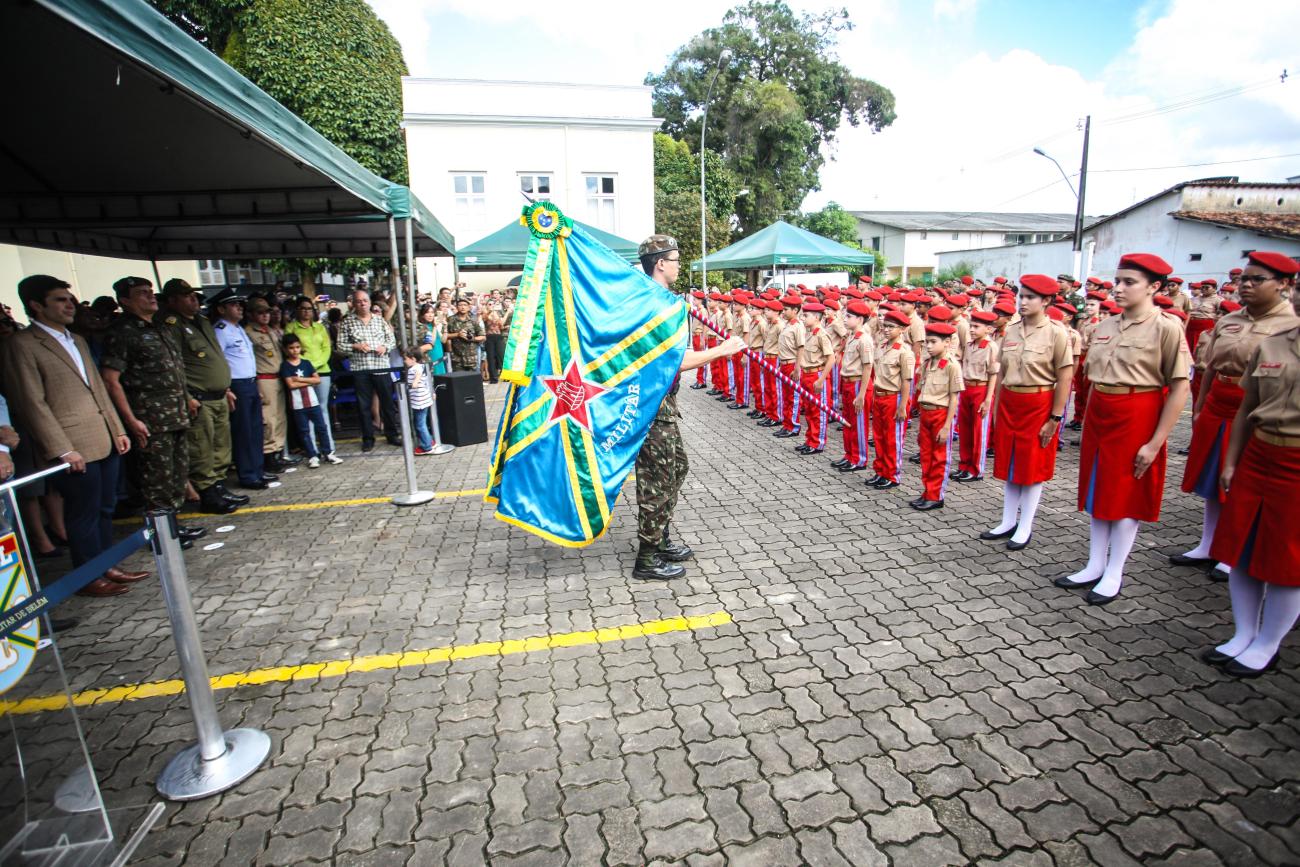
x=793 y=336
x=1147 y=353
x=916 y=331
x=941 y=381
x=818 y=348
x=963 y=337
x=1086 y=329
x=1236 y=335
x=980 y=362
x=1204 y=307
x=1076 y=342
x=839 y=331
x=859 y=354
x=1182 y=301
x=697 y=327
x=771 y=337
x=266 y=349
x=1032 y=354
x=894 y=365
x=1273 y=379
x=757 y=333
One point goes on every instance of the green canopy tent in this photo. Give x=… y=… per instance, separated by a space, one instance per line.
x=782 y=245
x=506 y=248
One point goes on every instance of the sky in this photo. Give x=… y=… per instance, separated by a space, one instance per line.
x=1177 y=89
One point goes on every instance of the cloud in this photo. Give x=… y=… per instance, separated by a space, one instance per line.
x=954 y=8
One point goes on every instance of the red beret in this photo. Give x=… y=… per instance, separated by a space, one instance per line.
x=1229 y=306
x=988 y=317
x=860 y=308
x=697 y=293
x=774 y=304
x=1075 y=284
x=853 y=292
x=758 y=303
x=1235 y=272
x=967 y=280
x=1278 y=263
x=1176 y=280
x=1178 y=313
x=941 y=314
x=940 y=329
x=1095 y=281
x=726 y=299
x=813 y=307
x=1209 y=281
x=999 y=280
x=1068 y=308
x=958 y=299
x=1006 y=308
x=715 y=296
x=1097 y=295
x=897 y=317
x=1110 y=307
x=792 y=301
x=831 y=303
x=916 y=296
x=1040 y=284
x=864 y=280
x=895 y=296
x=1055 y=313
x=1146 y=262
x=1106 y=284
x=1164 y=301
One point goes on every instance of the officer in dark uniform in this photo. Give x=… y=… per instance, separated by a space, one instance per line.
x=207 y=377
x=144 y=370
x=661 y=464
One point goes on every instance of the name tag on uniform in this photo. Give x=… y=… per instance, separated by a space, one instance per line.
x=1232 y=328
x=1101 y=338
x=1010 y=345
x=1269 y=369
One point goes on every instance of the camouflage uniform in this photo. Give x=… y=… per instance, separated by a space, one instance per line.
x=661 y=468
x=464 y=353
x=207 y=378
x=152 y=368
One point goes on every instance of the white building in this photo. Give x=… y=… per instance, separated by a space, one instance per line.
x=475 y=146
x=89 y=276
x=911 y=240
x=1202 y=228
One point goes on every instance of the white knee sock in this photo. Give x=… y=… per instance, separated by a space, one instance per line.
x=1247 y=599
x=1123 y=533
x=1029 y=497
x=1209 y=521
x=1010 y=507
x=1098 y=543
x=1281 y=608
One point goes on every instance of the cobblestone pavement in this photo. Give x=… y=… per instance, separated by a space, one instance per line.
x=891 y=690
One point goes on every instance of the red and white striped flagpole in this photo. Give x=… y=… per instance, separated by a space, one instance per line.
x=713 y=326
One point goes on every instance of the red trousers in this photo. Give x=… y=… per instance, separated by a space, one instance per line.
x=972 y=429
x=718 y=382
x=1196 y=328
x=757 y=383
x=888 y=434
x=855 y=432
x=772 y=389
x=740 y=377
x=789 y=398
x=697 y=343
x=934 y=455
x=815 y=435
x=1082 y=388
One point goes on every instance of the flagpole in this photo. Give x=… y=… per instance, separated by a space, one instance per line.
x=766 y=365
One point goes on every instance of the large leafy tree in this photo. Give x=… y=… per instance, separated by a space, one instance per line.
x=781 y=97
x=677 y=200
x=832 y=222
x=331 y=62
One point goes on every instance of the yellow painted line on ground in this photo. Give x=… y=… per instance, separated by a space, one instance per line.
x=379 y=662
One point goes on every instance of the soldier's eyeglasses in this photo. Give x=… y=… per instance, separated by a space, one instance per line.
x=1255 y=278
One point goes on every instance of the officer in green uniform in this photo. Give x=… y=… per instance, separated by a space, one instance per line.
x=144 y=370
x=661 y=464
x=465 y=333
x=207 y=378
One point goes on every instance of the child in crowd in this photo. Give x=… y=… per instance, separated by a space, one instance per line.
x=300 y=378
x=417 y=381
x=941 y=385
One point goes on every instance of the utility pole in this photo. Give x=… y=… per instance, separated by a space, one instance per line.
x=1078 y=214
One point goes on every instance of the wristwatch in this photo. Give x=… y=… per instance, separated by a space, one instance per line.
x=1057 y=417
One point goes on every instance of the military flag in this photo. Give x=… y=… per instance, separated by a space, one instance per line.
x=594 y=347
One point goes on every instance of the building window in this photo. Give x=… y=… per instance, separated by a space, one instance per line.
x=925 y=236
x=875 y=242
x=1016 y=238
x=1194 y=257
x=956 y=236
x=601 y=201
x=535 y=186
x=212 y=272
x=469 y=194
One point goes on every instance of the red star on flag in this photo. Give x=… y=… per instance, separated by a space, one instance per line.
x=572 y=393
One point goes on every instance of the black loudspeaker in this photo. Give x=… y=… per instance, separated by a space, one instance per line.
x=462 y=413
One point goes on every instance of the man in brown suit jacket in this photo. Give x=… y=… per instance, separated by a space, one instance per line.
x=56 y=394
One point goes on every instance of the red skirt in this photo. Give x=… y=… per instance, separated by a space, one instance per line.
x=1116 y=426
x=1017 y=456
x=1196 y=328
x=1257 y=527
x=1210 y=439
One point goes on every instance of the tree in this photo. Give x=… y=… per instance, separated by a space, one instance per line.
x=331 y=62
x=781 y=98
x=677 y=201
x=955 y=271
x=832 y=222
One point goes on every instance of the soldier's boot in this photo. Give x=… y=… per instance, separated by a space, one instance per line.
x=237 y=499
x=674 y=552
x=650 y=567
x=211 y=501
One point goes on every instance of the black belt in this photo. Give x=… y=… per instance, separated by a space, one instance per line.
x=208 y=395
x=244 y=379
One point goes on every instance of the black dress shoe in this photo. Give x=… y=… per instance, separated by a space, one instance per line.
x=270 y=477
x=956 y=474
x=291 y=461
x=972 y=478
x=52 y=554
x=850 y=468
x=211 y=502
x=1013 y=545
x=190 y=532
x=814 y=451
x=842 y=462
x=767 y=422
x=186 y=544
x=918 y=501
x=699 y=385
x=367 y=445
x=656 y=569
x=1212 y=656
x=928 y=505
x=1075 y=425
x=271 y=463
x=237 y=499
x=786 y=434
x=872 y=481
x=1064 y=581
x=989 y=535
x=803 y=449
x=916 y=459
x=1095 y=598
x=884 y=485
x=1198 y=562
x=1236 y=669
x=257 y=485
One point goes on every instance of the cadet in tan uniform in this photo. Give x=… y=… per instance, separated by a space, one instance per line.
x=753 y=370
x=268 y=356
x=790 y=340
x=1259 y=534
x=1036 y=369
x=890 y=398
x=771 y=338
x=1230 y=345
x=941 y=385
x=815 y=360
x=1138 y=365
x=979 y=368
x=855 y=377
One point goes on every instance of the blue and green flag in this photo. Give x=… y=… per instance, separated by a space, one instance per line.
x=594 y=347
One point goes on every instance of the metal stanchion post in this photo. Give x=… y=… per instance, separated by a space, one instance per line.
x=413 y=496
x=220 y=760
x=439 y=447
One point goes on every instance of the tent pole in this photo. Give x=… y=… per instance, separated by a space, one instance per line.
x=412 y=292
x=397 y=280
x=157 y=280
x=413 y=495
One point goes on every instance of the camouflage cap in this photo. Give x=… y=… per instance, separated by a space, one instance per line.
x=656 y=244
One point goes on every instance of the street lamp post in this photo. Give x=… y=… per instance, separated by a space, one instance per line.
x=1078 y=195
x=723 y=57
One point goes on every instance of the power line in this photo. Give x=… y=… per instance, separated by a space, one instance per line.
x=1193 y=165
